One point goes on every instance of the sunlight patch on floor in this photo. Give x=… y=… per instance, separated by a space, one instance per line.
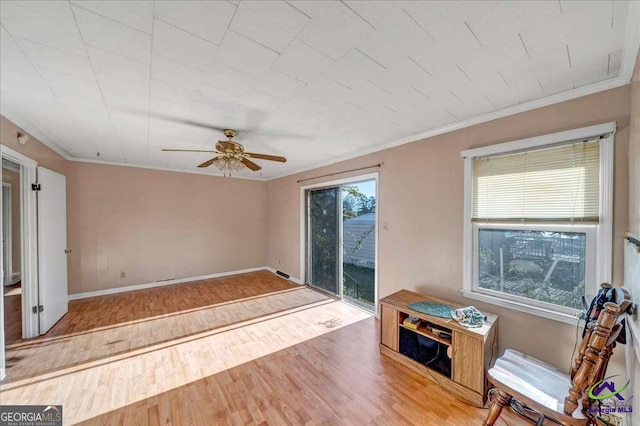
x=12 y=290
x=88 y=391
x=150 y=319
x=48 y=357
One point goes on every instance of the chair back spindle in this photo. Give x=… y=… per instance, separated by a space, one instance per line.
x=585 y=377
x=581 y=350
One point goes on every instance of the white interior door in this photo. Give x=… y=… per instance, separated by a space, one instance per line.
x=52 y=245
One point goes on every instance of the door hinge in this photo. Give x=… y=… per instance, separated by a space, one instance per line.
x=35 y=187
x=37 y=309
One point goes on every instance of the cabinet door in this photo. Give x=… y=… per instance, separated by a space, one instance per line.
x=389 y=325
x=468 y=361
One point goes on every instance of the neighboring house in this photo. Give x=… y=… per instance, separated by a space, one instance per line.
x=359 y=240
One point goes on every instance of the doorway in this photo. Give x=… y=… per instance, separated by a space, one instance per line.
x=11 y=251
x=340 y=239
x=29 y=249
x=43 y=263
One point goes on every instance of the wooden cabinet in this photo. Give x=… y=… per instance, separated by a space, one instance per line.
x=389 y=327
x=458 y=364
x=468 y=365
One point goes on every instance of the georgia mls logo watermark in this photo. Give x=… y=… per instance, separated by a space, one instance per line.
x=30 y=415
x=610 y=397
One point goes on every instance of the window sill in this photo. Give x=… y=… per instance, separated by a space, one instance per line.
x=522 y=307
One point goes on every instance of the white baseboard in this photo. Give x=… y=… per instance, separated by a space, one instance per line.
x=167 y=282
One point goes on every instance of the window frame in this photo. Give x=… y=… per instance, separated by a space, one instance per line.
x=603 y=231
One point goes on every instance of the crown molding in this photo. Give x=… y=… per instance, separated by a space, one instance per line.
x=163 y=169
x=630 y=51
x=516 y=109
x=631 y=48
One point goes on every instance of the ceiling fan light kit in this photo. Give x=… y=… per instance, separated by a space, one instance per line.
x=228 y=165
x=231 y=155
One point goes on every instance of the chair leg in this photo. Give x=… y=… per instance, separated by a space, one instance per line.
x=499 y=400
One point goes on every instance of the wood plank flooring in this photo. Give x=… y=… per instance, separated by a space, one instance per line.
x=12 y=313
x=285 y=355
x=136 y=305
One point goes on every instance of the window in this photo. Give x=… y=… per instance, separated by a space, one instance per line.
x=538 y=221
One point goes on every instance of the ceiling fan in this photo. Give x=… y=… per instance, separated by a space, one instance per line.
x=232 y=156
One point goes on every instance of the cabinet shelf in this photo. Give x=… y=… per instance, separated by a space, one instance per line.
x=424 y=331
x=458 y=364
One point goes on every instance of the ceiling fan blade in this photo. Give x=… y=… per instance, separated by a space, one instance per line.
x=266 y=157
x=250 y=164
x=185 y=121
x=207 y=163
x=203 y=125
x=255 y=119
x=185 y=150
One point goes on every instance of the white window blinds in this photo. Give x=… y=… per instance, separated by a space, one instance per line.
x=556 y=184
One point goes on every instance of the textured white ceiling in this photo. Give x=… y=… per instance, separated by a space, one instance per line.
x=313 y=81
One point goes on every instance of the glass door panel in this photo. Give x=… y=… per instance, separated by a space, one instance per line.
x=358 y=243
x=324 y=238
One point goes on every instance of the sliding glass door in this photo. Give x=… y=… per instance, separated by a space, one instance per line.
x=359 y=243
x=324 y=239
x=341 y=241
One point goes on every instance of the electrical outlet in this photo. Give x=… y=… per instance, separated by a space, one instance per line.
x=122 y=274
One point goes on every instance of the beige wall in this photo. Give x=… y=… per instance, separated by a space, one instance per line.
x=634 y=153
x=13 y=178
x=155 y=225
x=151 y=225
x=421 y=201
x=34 y=149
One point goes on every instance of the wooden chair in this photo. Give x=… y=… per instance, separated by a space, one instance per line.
x=553 y=394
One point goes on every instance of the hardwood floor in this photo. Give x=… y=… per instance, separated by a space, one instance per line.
x=288 y=356
x=136 y=305
x=12 y=313
x=100 y=327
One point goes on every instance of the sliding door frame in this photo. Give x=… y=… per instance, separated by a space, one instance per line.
x=304 y=229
